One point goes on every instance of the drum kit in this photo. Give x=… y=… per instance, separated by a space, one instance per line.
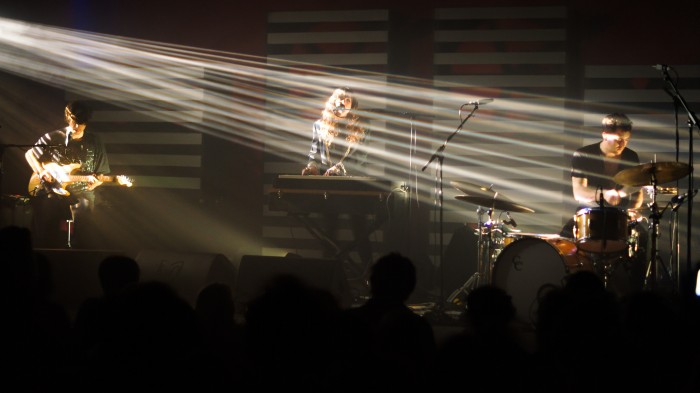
x=604 y=238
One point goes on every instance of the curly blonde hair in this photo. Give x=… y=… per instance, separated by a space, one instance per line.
x=332 y=124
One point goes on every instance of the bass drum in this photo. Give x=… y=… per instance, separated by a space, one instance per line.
x=528 y=264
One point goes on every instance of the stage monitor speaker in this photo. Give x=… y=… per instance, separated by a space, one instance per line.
x=74 y=275
x=256 y=272
x=187 y=272
x=15 y=210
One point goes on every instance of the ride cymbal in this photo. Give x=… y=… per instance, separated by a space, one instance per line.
x=652 y=173
x=497 y=204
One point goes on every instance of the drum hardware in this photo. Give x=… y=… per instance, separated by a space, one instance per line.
x=485 y=244
x=650 y=175
x=651 y=275
x=674 y=263
x=492 y=235
x=605 y=264
x=661 y=190
x=494 y=203
x=633 y=239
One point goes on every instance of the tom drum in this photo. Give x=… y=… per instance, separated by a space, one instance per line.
x=601 y=230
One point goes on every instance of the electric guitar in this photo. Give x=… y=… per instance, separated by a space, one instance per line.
x=62 y=177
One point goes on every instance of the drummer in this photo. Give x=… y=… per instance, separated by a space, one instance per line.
x=594 y=166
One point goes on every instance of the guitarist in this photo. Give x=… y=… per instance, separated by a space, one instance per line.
x=69 y=145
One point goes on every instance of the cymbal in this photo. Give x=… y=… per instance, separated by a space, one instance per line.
x=639 y=209
x=473 y=189
x=644 y=174
x=662 y=190
x=498 y=204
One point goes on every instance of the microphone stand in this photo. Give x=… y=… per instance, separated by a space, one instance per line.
x=675 y=261
x=692 y=122
x=440 y=157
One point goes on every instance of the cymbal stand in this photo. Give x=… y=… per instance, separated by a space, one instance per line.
x=693 y=122
x=488 y=248
x=604 y=267
x=458 y=296
x=675 y=260
x=651 y=276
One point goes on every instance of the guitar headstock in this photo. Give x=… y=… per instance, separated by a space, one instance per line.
x=125 y=181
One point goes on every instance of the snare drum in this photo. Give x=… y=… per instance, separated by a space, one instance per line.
x=599 y=230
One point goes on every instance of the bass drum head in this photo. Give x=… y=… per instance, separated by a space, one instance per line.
x=523 y=268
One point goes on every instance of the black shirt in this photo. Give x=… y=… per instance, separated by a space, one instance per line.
x=588 y=162
x=88 y=151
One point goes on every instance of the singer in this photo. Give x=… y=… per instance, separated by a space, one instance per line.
x=60 y=149
x=337 y=137
x=338 y=148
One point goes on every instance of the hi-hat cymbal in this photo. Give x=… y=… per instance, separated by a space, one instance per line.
x=473 y=189
x=639 y=209
x=662 y=190
x=498 y=204
x=652 y=172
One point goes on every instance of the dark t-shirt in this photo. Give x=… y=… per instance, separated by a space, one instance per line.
x=88 y=151
x=588 y=162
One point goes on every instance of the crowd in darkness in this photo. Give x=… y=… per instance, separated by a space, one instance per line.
x=142 y=336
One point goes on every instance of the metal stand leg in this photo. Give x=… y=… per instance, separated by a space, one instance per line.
x=459 y=296
x=651 y=276
x=68 y=229
x=484 y=261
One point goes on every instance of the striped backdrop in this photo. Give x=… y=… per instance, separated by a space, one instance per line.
x=548 y=102
x=516 y=55
x=148 y=131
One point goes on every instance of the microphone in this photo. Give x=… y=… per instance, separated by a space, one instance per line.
x=341 y=108
x=482 y=101
x=662 y=67
x=68 y=131
x=681 y=198
x=510 y=221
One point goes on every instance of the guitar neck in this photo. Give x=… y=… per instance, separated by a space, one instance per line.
x=79 y=178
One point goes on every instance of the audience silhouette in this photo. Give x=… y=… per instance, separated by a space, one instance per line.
x=398 y=344
x=142 y=336
x=488 y=355
x=221 y=337
x=35 y=331
x=115 y=273
x=578 y=325
x=290 y=336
